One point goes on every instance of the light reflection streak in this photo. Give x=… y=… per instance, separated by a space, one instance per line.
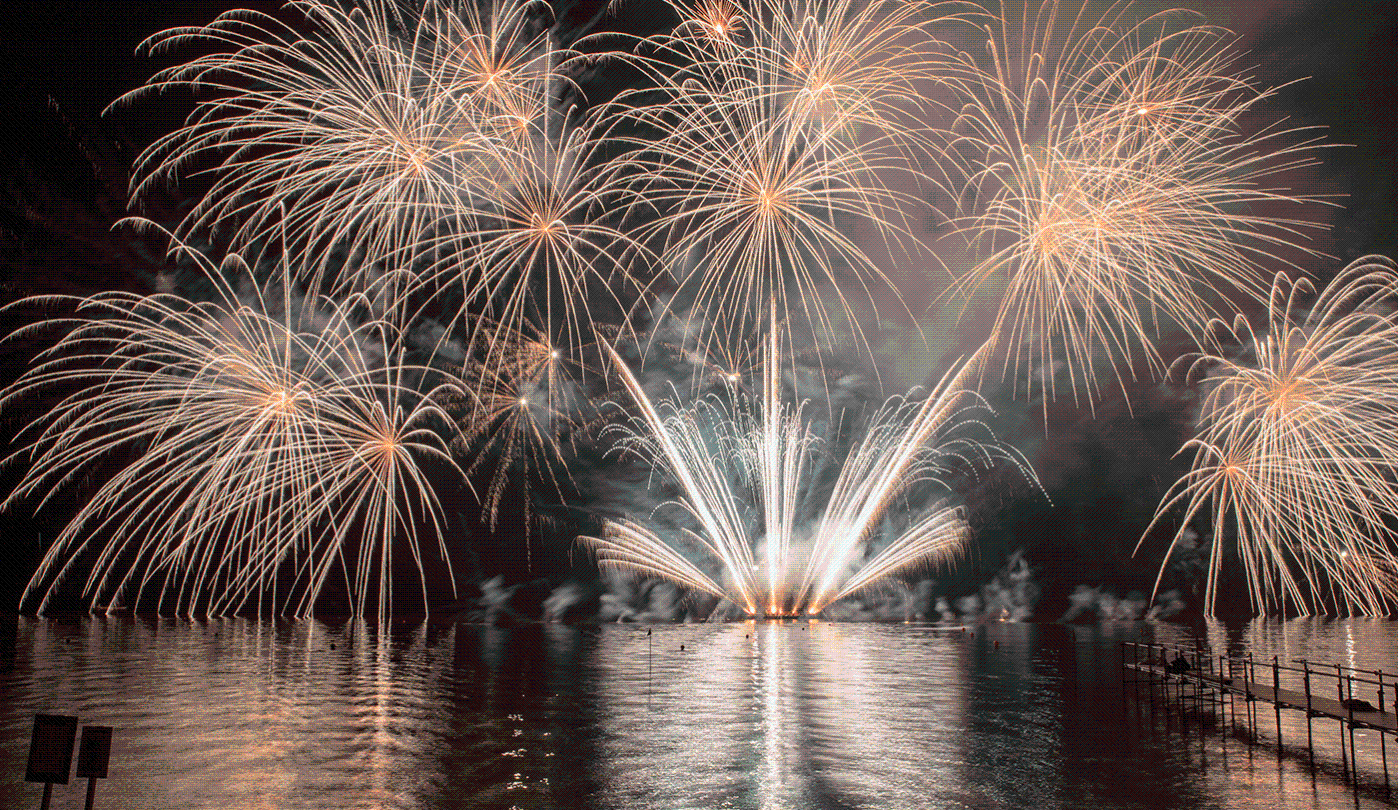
x=918 y=742
x=803 y=715
x=781 y=781
x=696 y=705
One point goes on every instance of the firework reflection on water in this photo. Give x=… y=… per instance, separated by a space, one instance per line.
x=318 y=715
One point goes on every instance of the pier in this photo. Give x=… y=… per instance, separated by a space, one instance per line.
x=1184 y=679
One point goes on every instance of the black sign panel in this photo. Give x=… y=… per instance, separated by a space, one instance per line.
x=51 y=748
x=94 y=749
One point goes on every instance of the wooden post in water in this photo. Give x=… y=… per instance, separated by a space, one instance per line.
x=1383 y=744
x=1179 y=690
x=1353 y=753
x=1276 y=701
x=1135 y=676
x=1232 y=703
x=1223 y=693
x=1166 y=710
x=1153 y=683
x=1150 y=687
x=1340 y=690
x=1247 y=681
x=1218 y=676
x=1310 y=742
x=1252 y=667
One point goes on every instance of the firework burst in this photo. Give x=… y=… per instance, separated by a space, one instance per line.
x=542 y=246
x=1111 y=179
x=358 y=142
x=771 y=131
x=261 y=445
x=839 y=64
x=1297 y=445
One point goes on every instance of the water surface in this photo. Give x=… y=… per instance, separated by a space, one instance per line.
x=240 y=714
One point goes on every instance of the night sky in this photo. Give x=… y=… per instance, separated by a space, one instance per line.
x=64 y=169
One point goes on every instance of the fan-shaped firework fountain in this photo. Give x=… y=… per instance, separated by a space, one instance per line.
x=708 y=447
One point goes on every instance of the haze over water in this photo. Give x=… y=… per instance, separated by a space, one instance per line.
x=244 y=714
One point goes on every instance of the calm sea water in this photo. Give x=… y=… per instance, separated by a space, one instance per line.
x=238 y=714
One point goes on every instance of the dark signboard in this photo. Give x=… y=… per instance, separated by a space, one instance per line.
x=94 y=749
x=51 y=748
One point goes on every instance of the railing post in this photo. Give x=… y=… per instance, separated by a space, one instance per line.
x=1225 y=691
x=1310 y=742
x=1179 y=690
x=1232 y=702
x=1276 y=700
x=1340 y=690
x=1198 y=672
x=1250 y=675
x=1150 y=684
x=1353 y=754
x=1383 y=744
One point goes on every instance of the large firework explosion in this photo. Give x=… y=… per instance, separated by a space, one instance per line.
x=268 y=442
x=435 y=168
x=1110 y=179
x=1297 y=446
x=767 y=134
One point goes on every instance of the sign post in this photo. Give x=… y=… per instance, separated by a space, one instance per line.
x=50 y=752
x=94 y=750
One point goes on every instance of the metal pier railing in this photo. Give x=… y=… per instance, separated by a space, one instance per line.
x=1196 y=678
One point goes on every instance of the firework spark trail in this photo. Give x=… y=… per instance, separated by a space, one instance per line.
x=523 y=410
x=261 y=444
x=770 y=445
x=1297 y=446
x=891 y=457
x=1109 y=172
x=679 y=440
x=842 y=65
x=346 y=136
